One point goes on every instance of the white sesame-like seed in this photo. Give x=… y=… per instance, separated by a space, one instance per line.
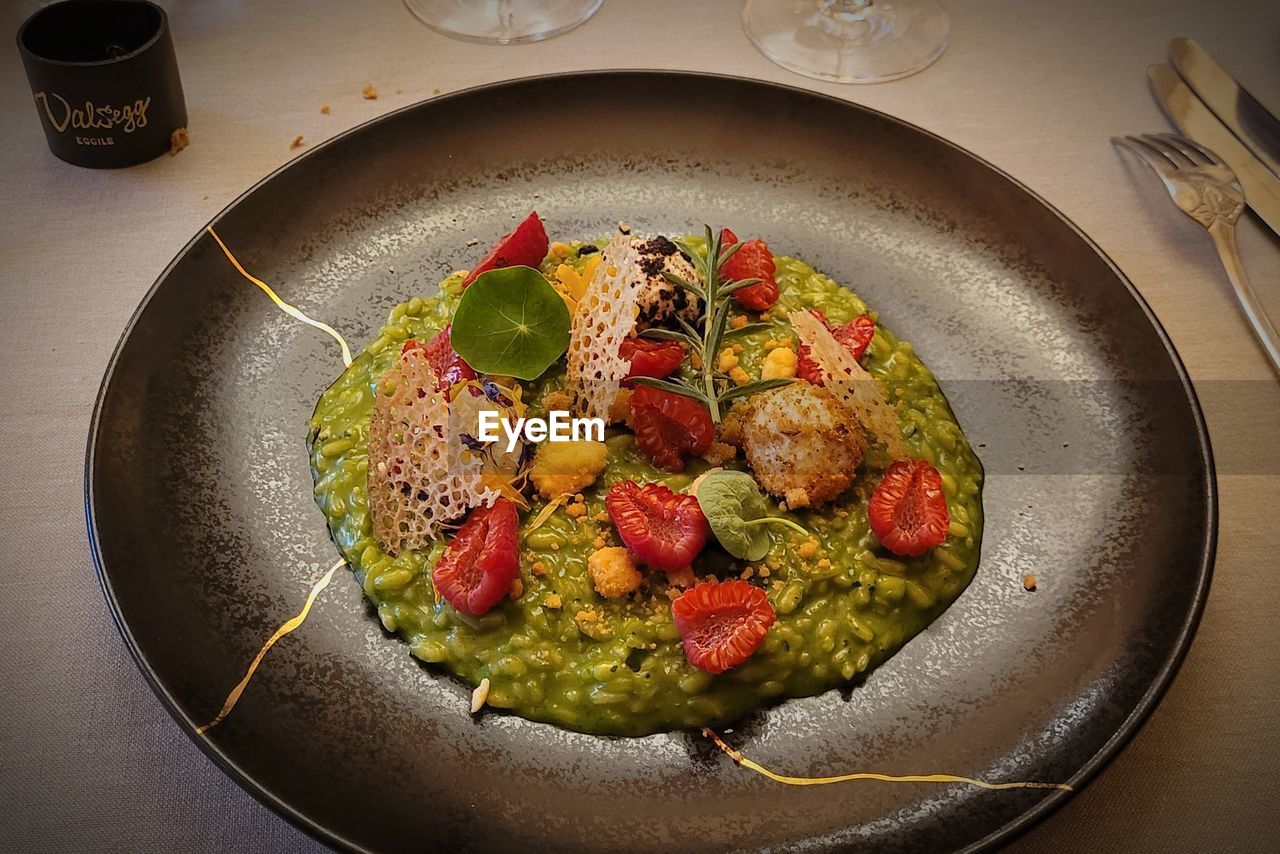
x=479 y=695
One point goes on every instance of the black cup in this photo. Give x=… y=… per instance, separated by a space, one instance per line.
x=105 y=80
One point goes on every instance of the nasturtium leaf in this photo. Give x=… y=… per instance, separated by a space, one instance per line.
x=511 y=321
x=738 y=512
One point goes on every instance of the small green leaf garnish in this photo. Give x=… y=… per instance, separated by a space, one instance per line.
x=747 y=329
x=738 y=513
x=657 y=333
x=754 y=387
x=673 y=387
x=511 y=321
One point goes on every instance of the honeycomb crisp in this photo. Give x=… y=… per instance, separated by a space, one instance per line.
x=605 y=316
x=416 y=481
x=850 y=382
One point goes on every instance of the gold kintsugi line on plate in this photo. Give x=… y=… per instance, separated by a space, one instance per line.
x=289 y=625
x=737 y=757
x=290 y=310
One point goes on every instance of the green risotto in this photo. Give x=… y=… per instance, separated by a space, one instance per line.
x=556 y=651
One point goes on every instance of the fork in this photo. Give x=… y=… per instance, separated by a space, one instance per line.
x=1205 y=189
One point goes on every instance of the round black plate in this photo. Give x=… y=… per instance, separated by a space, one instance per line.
x=1099 y=480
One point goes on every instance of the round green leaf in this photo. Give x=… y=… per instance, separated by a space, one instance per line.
x=511 y=321
x=738 y=513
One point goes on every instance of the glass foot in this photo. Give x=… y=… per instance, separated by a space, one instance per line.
x=502 y=21
x=848 y=41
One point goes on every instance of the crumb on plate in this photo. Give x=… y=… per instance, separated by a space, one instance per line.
x=719 y=453
x=682 y=577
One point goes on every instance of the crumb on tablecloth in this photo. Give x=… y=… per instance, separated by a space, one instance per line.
x=369 y=93
x=297 y=142
x=324 y=110
x=178 y=140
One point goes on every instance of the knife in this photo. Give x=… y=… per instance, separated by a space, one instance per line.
x=1251 y=122
x=1193 y=118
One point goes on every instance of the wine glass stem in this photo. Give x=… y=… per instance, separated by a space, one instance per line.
x=845 y=8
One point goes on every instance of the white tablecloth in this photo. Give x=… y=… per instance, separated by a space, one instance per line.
x=88 y=758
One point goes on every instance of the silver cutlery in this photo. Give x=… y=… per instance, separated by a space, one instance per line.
x=1205 y=189
x=1195 y=120
x=1247 y=118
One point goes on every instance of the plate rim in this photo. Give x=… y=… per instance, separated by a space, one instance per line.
x=1002 y=835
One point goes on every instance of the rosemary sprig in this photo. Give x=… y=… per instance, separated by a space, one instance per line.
x=710 y=385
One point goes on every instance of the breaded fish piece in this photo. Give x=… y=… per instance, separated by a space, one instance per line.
x=800 y=444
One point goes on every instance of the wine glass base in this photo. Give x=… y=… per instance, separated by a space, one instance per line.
x=848 y=42
x=502 y=21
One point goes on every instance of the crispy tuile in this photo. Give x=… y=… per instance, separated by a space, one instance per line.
x=605 y=315
x=418 y=479
x=850 y=383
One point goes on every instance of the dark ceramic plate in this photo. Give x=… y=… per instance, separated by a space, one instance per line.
x=1099 y=478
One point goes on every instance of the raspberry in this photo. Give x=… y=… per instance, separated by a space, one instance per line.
x=722 y=623
x=670 y=426
x=752 y=261
x=477 y=567
x=526 y=245
x=663 y=529
x=855 y=336
x=447 y=365
x=907 y=510
x=651 y=358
